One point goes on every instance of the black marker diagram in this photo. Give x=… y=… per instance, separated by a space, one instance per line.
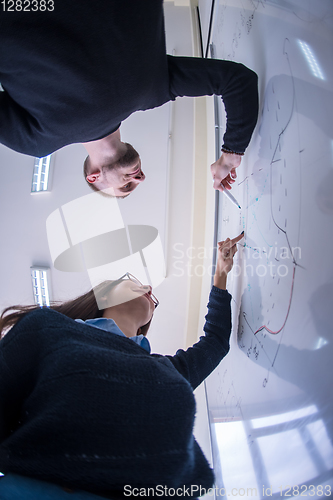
x=272 y=220
x=244 y=24
x=273 y=186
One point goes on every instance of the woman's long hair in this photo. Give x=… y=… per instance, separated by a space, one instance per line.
x=83 y=307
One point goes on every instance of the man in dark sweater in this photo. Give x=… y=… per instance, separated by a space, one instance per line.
x=73 y=72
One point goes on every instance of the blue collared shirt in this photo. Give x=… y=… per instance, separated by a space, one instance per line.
x=109 y=325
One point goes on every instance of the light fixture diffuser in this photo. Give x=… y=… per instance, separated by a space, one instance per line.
x=40 y=176
x=40 y=285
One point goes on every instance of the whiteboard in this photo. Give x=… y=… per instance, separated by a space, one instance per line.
x=270 y=401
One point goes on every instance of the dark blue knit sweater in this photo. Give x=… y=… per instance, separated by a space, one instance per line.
x=92 y=410
x=74 y=74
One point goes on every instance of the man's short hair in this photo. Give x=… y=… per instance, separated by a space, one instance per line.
x=86 y=172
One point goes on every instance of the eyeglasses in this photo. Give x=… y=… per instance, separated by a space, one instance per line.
x=138 y=282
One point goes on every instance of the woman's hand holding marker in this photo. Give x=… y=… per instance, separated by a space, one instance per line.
x=225 y=255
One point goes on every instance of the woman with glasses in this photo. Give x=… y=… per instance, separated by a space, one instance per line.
x=86 y=410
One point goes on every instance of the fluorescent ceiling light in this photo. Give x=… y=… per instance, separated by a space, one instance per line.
x=40 y=285
x=312 y=61
x=40 y=176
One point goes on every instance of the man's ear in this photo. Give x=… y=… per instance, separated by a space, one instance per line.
x=93 y=177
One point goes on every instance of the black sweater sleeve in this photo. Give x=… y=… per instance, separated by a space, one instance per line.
x=198 y=361
x=234 y=82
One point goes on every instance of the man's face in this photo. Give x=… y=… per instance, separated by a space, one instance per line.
x=123 y=179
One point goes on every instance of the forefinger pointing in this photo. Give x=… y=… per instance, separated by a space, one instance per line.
x=238 y=238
